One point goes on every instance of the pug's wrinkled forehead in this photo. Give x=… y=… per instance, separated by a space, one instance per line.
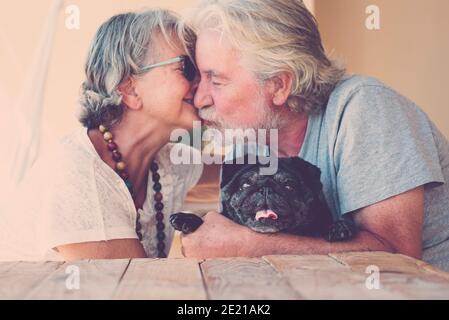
x=252 y=175
x=238 y=170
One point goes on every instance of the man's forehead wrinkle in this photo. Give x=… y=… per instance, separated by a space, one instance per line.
x=215 y=74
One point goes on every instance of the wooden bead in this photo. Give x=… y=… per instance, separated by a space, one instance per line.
x=157 y=187
x=116 y=156
x=160 y=226
x=154 y=167
x=156 y=177
x=124 y=175
x=112 y=146
x=107 y=136
x=102 y=129
x=129 y=185
x=158 y=197
x=120 y=166
x=160 y=247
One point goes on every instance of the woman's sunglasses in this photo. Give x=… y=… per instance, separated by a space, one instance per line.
x=188 y=68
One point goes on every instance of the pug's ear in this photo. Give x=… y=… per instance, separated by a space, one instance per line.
x=229 y=177
x=229 y=173
x=307 y=171
x=230 y=168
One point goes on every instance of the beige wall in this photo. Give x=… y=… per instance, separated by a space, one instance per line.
x=410 y=52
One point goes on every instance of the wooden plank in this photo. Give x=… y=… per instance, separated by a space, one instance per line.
x=308 y=262
x=17 y=279
x=409 y=277
x=337 y=276
x=321 y=277
x=415 y=286
x=98 y=280
x=388 y=262
x=244 y=278
x=434 y=271
x=178 y=279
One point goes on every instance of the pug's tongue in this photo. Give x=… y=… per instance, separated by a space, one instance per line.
x=268 y=214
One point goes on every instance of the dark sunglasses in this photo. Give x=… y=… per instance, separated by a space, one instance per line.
x=188 y=68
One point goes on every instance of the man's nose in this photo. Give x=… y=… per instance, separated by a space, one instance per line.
x=202 y=96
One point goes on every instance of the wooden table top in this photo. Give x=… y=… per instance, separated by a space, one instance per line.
x=333 y=276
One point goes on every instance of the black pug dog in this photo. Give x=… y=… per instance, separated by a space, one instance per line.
x=290 y=201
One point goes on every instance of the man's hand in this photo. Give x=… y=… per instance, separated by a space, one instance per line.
x=216 y=237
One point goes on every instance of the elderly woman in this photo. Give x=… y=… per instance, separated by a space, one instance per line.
x=106 y=191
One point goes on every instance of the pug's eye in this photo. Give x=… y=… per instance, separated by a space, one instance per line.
x=289 y=187
x=245 y=185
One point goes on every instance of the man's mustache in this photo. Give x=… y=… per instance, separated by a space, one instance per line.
x=208 y=113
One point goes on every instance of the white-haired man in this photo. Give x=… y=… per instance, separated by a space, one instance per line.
x=262 y=65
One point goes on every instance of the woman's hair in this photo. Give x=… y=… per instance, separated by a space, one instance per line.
x=121 y=46
x=275 y=36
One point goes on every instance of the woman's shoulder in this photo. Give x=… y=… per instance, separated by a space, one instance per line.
x=68 y=157
x=76 y=144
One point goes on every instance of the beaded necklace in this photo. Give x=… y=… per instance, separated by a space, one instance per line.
x=120 y=168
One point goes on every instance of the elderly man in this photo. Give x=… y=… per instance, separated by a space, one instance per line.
x=262 y=65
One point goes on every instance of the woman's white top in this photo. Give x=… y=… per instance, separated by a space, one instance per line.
x=72 y=196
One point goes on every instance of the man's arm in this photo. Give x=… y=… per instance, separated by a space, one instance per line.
x=393 y=225
x=113 y=249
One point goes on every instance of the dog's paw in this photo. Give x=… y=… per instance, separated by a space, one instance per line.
x=341 y=230
x=185 y=222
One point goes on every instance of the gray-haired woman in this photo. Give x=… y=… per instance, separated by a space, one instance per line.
x=107 y=190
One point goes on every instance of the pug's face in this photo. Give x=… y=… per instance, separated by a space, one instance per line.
x=283 y=201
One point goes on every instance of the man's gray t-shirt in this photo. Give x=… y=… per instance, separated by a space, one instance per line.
x=371 y=144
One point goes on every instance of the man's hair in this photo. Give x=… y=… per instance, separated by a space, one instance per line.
x=121 y=46
x=275 y=36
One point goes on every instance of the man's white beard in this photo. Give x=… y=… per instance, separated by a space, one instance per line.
x=267 y=118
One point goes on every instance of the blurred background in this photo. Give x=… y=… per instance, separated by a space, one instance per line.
x=410 y=51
